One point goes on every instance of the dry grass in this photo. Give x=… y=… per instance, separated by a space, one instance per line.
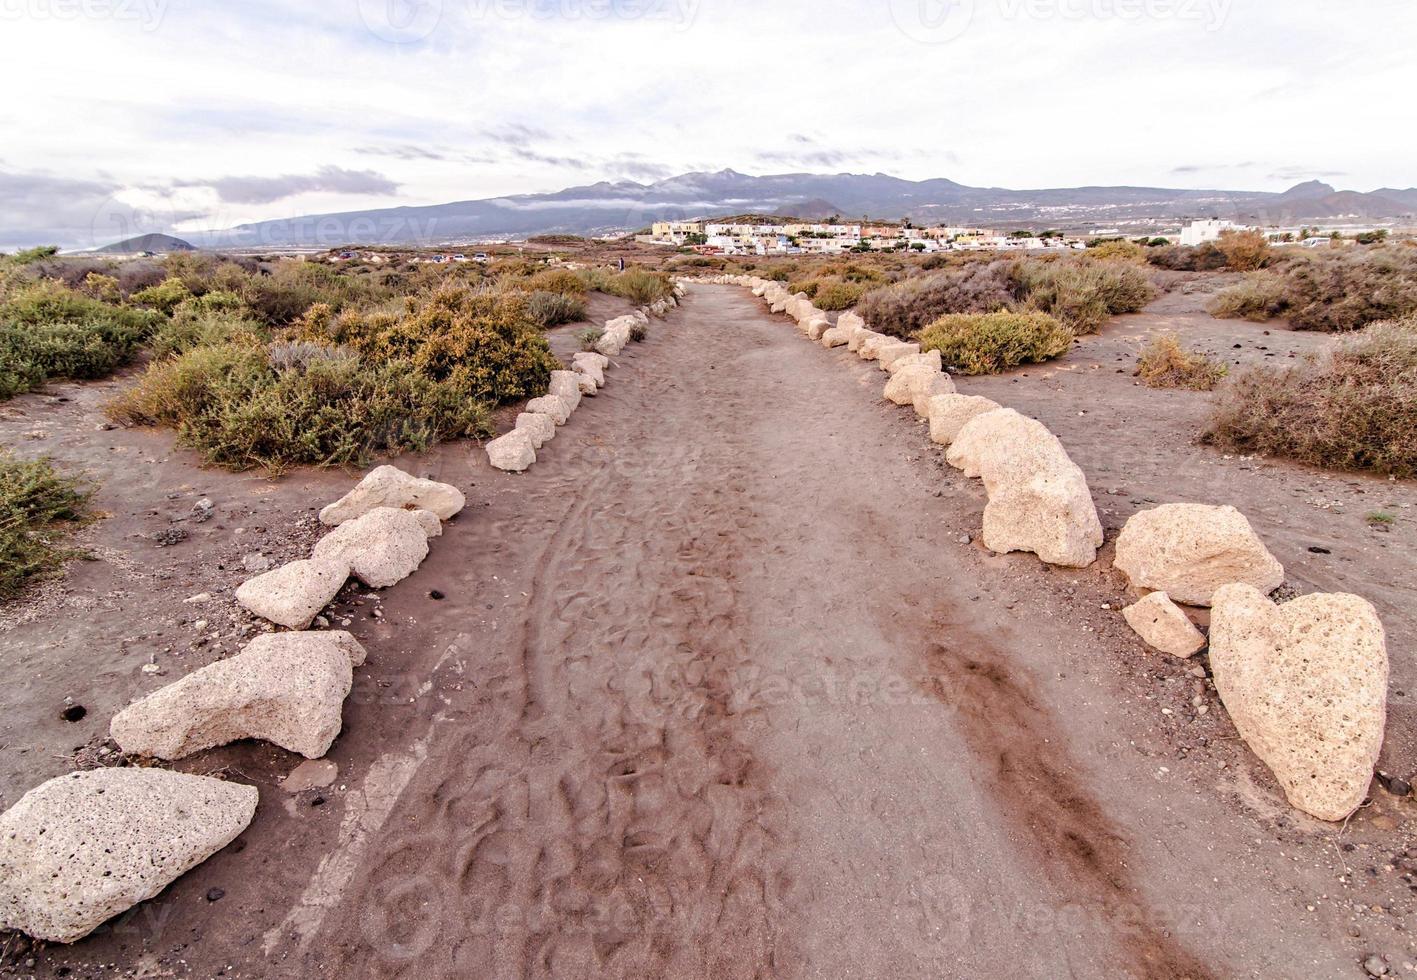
x=1164 y=363
x=1351 y=407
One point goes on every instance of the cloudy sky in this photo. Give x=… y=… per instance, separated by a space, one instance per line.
x=126 y=116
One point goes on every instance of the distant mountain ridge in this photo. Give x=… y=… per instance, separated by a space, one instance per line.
x=610 y=206
x=148 y=243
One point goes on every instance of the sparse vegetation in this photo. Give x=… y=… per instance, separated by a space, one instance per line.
x=589 y=337
x=39 y=508
x=986 y=343
x=48 y=330
x=1164 y=363
x=1081 y=292
x=1328 y=290
x=553 y=309
x=1354 y=406
x=839 y=295
x=1380 y=518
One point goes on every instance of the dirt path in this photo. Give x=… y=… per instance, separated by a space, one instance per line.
x=718 y=690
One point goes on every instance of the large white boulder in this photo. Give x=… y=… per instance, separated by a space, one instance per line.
x=834 y=337
x=553 y=405
x=851 y=322
x=389 y=486
x=1306 y=685
x=382 y=548
x=79 y=849
x=871 y=344
x=283 y=688
x=1190 y=550
x=934 y=385
x=513 y=452
x=858 y=339
x=540 y=429
x=930 y=359
x=567 y=386
x=293 y=595
x=815 y=326
x=1162 y=624
x=948 y=413
x=1039 y=500
x=903 y=384
x=592 y=366
x=888 y=354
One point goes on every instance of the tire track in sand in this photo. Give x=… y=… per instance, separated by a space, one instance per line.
x=601 y=816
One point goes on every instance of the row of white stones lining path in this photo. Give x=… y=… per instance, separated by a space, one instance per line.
x=1305 y=682
x=84 y=847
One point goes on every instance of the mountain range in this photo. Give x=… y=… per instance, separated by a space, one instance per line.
x=620 y=206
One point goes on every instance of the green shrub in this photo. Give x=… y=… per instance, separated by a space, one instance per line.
x=245 y=406
x=1082 y=293
x=986 y=343
x=38 y=508
x=552 y=309
x=839 y=295
x=50 y=331
x=183 y=333
x=640 y=286
x=165 y=296
x=1353 y=406
x=1165 y=364
x=589 y=337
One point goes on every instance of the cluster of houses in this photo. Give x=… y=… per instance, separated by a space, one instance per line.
x=829 y=237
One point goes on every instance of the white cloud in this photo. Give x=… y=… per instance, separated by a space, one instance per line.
x=462 y=99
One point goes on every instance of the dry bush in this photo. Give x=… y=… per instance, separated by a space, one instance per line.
x=1187 y=258
x=1330 y=290
x=1259 y=296
x=1244 y=250
x=986 y=343
x=1082 y=293
x=553 y=309
x=1353 y=406
x=839 y=295
x=1117 y=250
x=561 y=281
x=908 y=307
x=1165 y=364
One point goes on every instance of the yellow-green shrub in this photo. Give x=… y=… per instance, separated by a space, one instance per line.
x=986 y=343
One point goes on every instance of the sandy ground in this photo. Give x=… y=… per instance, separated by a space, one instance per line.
x=723 y=688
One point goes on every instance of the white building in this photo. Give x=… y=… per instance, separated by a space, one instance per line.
x=1200 y=232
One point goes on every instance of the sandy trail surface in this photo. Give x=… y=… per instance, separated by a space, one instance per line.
x=721 y=688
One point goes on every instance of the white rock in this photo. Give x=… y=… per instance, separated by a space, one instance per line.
x=587 y=384
x=79 y=849
x=593 y=369
x=567 y=386
x=934 y=385
x=930 y=359
x=389 y=486
x=553 y=405
x=851 y=322
x=540 y=429
x=382 y=548
x=835 y=337
x=1190 y=550
x=293 y=595
x=1306 y=685
x=888 y=354
x=513 y=452
x=903 y=384
x=858 y=339
x=949 y=413
x=871 y=344
x=1039 y=500
x=1162 y=624
x=283 y=688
